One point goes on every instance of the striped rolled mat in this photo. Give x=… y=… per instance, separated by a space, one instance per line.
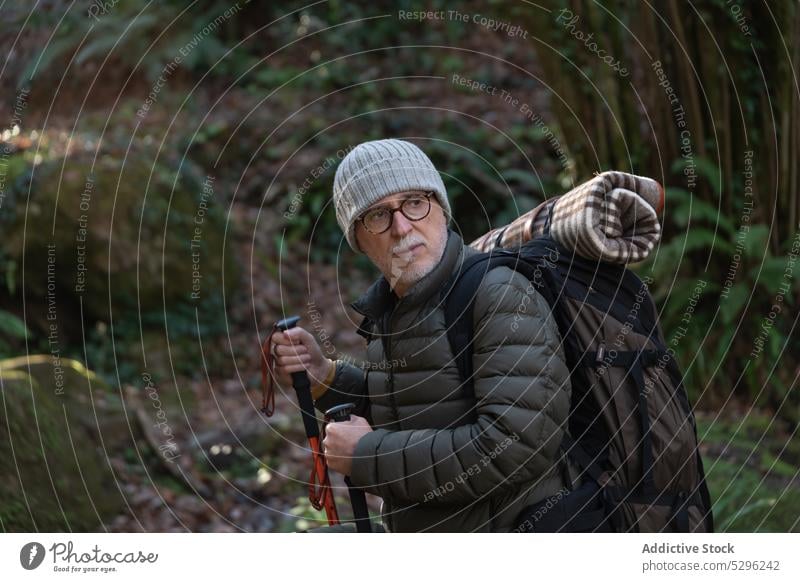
x=613 y=218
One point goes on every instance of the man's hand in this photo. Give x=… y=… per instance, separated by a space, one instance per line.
x=340 y=442
x=296 y=350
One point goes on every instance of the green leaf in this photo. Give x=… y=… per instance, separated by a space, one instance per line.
x=699 y=238
x=42 y=61
x=97 y=48
x=675 y=195
x=769 y=275
x=698 y=210
x=12 y=325
x=711 y=172
x=11 y=275
x=744 y=511
x=771 y=464
x=723 y=345
x=704 y=168
x=679 y=296
x=754 y=243
x=117 y=33
x=527 y=179
x=731 y=304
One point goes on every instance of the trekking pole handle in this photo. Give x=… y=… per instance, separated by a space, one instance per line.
x=301 y=385
x=299 y=379
x=340 y=413
x=287 y=323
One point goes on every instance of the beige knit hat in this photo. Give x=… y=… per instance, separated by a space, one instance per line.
x=376 y=169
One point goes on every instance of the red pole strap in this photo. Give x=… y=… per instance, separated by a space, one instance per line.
x=321 y=495
x=268 y=376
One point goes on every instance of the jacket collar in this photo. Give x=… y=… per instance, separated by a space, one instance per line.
x=380 y=298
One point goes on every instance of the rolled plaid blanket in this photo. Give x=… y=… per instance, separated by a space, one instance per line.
x=613 y=218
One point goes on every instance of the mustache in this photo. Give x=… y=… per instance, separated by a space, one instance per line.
x=406 y=244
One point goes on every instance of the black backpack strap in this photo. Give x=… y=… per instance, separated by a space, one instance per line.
x=459 y=300
x=589 y=465
x=458 y=313
x=677 y=379
x=705 y=495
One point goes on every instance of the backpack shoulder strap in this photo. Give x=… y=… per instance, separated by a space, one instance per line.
x=459 y=300
x=458 y=306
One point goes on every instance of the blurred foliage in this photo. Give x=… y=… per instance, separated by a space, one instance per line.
x=128 y=33
x=725 y=146
x=305 y=517
x=751 y=486
x=733 y=86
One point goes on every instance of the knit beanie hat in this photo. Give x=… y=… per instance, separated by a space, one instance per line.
x=376 y=169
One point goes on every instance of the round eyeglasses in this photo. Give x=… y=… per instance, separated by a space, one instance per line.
x=414 y=208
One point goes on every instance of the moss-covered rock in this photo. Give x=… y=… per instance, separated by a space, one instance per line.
x=109 y=246
x=60 y=426
x=122 y=233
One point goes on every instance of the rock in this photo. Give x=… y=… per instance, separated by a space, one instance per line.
x=122 y=236
x=63 y=424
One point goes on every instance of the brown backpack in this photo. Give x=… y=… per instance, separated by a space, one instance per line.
x=631 y=429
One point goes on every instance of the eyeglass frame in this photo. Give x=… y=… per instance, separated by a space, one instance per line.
x=399 y=208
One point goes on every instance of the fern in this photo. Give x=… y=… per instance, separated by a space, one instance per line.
x=13 y=326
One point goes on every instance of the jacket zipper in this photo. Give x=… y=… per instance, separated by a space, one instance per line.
x=387 y=351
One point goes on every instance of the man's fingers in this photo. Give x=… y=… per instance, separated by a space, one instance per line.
x=286 y=361
x=284 y=338
x=299 y=336
x=294 y=368
x=290 y=350
x=331 y=436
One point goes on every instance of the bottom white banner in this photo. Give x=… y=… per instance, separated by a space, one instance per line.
x=398 y=556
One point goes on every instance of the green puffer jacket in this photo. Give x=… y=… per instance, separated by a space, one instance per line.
x=436 y=467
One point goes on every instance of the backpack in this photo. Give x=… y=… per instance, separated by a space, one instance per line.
x=631 y=430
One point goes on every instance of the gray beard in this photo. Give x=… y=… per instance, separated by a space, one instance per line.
x=406 y=271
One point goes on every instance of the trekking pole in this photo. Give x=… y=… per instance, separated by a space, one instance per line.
x=358 y=499
x=320 y=493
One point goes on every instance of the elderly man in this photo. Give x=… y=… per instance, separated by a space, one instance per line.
x=440 y=459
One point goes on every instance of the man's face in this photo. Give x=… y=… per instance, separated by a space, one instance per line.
x=408 y=250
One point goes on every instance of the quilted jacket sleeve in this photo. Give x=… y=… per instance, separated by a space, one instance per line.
x=523 y=396
x=348 y=385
